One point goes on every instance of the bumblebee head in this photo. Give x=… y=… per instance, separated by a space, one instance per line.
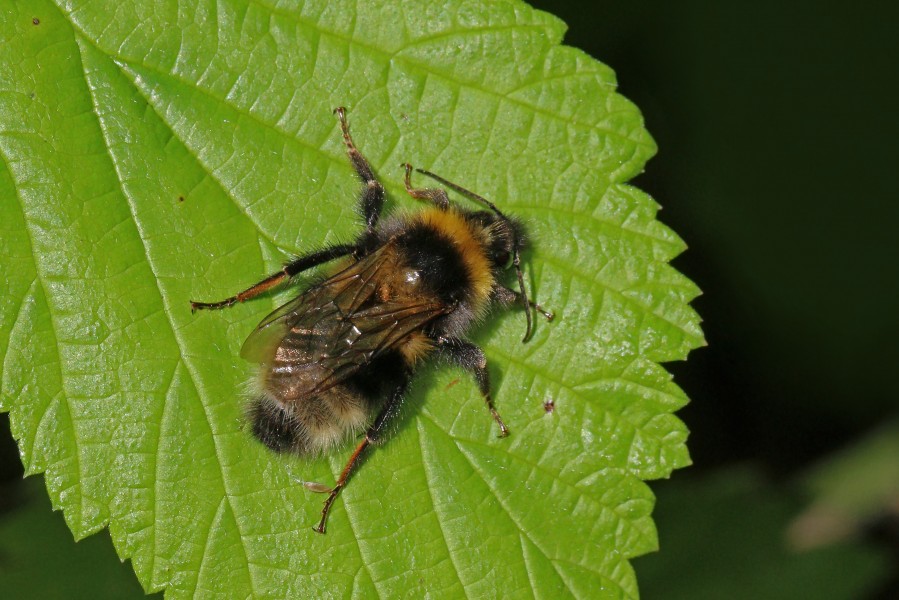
x=504 y=238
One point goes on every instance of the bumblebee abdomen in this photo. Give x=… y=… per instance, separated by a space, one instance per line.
x=310 y=425
x=273 y=426
x=288 y=419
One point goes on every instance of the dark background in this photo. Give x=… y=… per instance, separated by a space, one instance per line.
x=778 y=131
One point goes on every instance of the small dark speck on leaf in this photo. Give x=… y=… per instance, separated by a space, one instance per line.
x=36 y=21
x=452 y=383
x=549 y=406
x=180 y=198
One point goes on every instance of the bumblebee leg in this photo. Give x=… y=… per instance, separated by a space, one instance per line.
x=472 y=359
x=372 y=436
x=509 y=297
x=372 y=198
x=435 y=196
x=290 y=269
x=341 y=482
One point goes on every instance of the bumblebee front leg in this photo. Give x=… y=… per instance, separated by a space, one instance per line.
x=509 y=297
x=435 y=196
x=290 y=269
x=471 y=358
x=373 y=435
x=372 y=198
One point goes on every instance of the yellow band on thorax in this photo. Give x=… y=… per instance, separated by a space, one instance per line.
x=471 y=246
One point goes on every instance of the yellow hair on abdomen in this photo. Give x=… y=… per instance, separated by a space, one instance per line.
x=415 y=347
x=454 y=227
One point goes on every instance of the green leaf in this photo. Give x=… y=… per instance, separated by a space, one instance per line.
x=157 y=152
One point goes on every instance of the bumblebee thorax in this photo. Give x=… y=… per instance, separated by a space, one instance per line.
x=444 y=253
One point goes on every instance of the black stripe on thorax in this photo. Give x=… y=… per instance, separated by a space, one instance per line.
x=438 y=261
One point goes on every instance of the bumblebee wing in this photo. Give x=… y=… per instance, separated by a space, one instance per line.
x=357 y=339
x=334 y=329
x=342 y=293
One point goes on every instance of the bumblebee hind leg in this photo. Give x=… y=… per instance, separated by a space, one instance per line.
x=373 y=435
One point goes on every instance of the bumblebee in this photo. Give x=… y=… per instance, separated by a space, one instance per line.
x=337 y=360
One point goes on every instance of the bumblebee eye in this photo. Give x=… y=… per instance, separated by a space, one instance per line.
x=504 y=258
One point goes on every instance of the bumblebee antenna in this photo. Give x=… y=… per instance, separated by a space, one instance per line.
x=524 y=296
x=516 y=259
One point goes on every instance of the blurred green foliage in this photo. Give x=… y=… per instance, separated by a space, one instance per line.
x=724 y=538
x=39 y=558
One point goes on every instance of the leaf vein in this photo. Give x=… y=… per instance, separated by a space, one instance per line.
x=176 y=331
x=438 y=514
